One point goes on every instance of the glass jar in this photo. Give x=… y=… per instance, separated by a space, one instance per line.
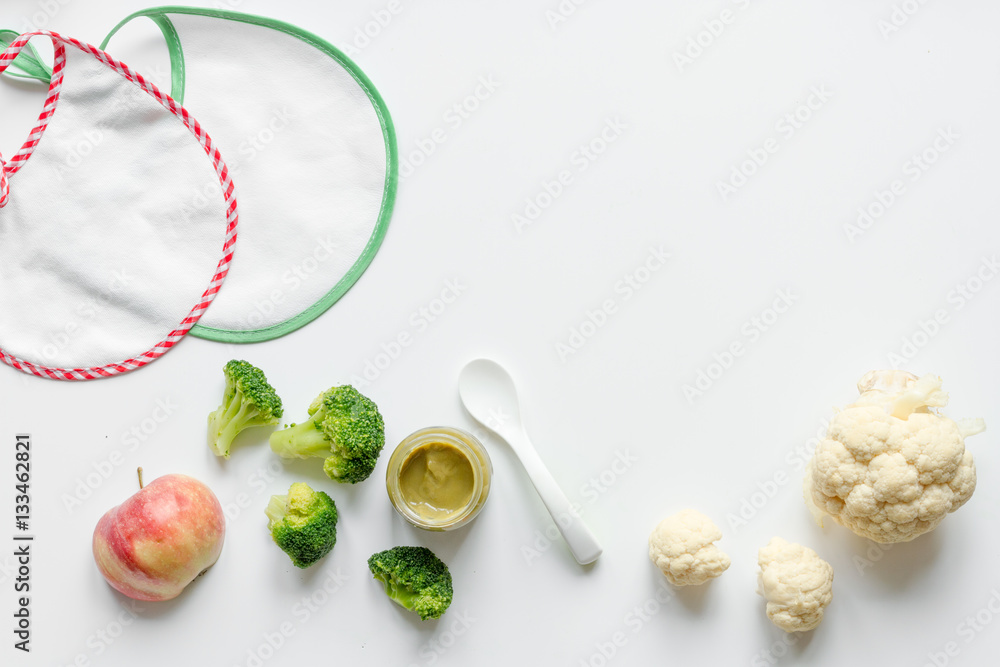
x=408 y=463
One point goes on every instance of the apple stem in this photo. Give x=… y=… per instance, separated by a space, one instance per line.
x=139 y=471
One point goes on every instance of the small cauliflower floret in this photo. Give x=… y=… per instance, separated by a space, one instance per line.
x=682 y=546
x=797 y=584
x=891 y=467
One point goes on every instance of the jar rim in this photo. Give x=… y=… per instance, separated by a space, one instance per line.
x=471 y=448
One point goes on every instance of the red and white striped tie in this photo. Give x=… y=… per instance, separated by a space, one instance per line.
x=4 y=186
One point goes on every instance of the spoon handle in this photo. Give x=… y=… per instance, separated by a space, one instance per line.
x=581 y=541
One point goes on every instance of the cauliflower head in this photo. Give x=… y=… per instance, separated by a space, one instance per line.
x=682 y=547
x=797 y=584
x=891 y=468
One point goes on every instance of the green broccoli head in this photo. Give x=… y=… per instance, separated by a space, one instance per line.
x=344 y=427
x=414 y=578
x=249 y=401
x=303 y=523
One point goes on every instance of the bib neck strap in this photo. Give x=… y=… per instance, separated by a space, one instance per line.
x=4 y=186
x=28 y=64
x=15 y=52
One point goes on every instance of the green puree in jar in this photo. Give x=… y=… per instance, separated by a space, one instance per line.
x=437 y=481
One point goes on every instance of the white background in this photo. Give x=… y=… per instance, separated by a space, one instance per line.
x=621 y=393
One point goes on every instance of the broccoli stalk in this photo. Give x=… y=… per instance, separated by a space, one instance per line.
x=303 y=523
x=399 y=593
x=415 y=579
x=345 y=428
x=301 y=441
x=249 y=401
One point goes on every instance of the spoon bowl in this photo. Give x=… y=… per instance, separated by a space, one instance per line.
x=488 y=393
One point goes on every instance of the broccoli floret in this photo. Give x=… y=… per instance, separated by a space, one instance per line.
x=303 y=523
x=414 y=578
x=344 y=427
x=249 y=401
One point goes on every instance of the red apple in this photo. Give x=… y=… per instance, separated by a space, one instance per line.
x=158 y=541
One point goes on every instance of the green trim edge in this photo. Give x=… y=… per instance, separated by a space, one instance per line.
x=178 y=78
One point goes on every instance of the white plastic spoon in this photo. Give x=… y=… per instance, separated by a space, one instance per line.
x=488 y=393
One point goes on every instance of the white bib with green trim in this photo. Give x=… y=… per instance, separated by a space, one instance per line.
x=311 y=148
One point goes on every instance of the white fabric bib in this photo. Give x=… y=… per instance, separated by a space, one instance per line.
x=119 y=224
x=311 y=146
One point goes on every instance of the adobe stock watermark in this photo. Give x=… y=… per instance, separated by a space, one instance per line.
x=495 y=419
x=873 y=553
x=913 y=170
x=228 y=4
x=633 y=623
x=78 y=153
x=365 y=35
x=750 y=332
x=101 y=471
x=420 y=320
x=301 y=612
x=199 y=197
x=42 y=18
x=966 y=631
x=258 y=482
x=457 y=115
x=257 y=142
x=778 y=649
x=105 y=636
x=549 y=190
x=293 y=278
x=785 y=128
x=157 y=74
x=900 y=15
x=795 y=461
x=83 y=313
x=590 y=492
x=711 y=31
x=562 y=12
x=250 y=148
x=626 y=287
x=449 y=631
x=957 y=298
